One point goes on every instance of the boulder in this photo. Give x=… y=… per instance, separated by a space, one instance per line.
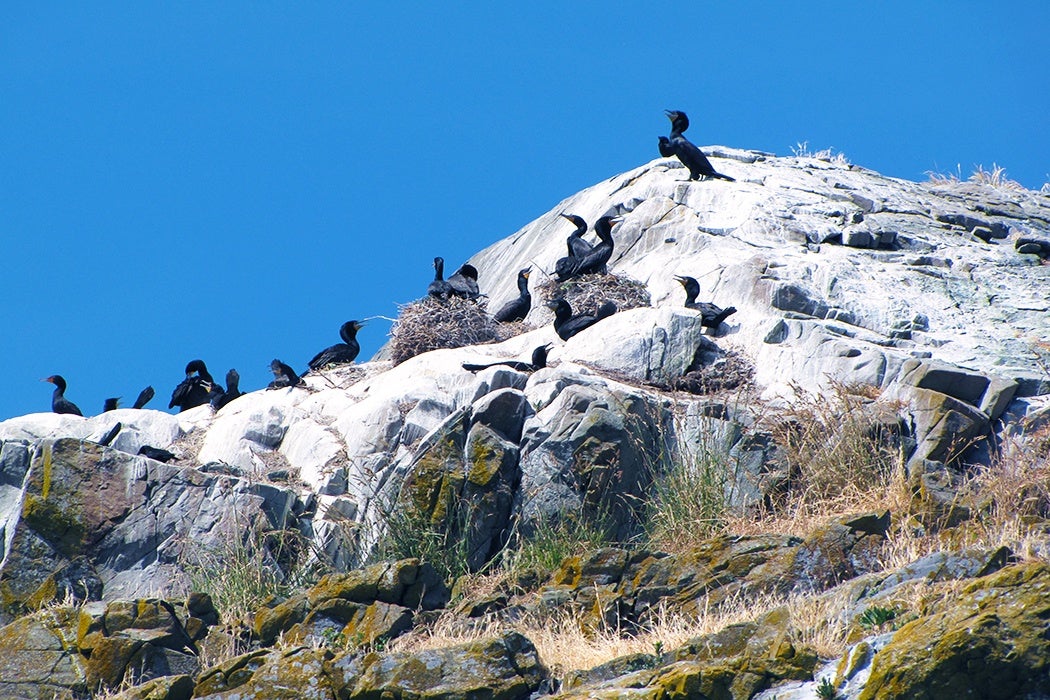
x=992 y=640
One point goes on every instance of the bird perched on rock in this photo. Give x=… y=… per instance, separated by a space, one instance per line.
x=283 y=375
x=464 y=283
x=595 y=261
x=679 y=146
x=156 y=453
x=517 y=309
x=145 y=396
x=711 y=316
x=110 y=435
x=59 y=402
x=578 y=248
x=539 y=361
x=196 y=389
x=343 y=352
x=566 y=325
x=232 y=390
x=439 y=288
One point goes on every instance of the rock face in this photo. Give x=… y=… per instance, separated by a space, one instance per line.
x=932 y=294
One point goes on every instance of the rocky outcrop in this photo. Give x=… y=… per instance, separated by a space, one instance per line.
x=89 y=522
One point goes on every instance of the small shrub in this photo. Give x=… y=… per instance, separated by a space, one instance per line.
x=550 y=544
x=411 y=533
x=876 y=616
x=689 y=502
x=242 y=572
x=841 y=442
x=826 y=689
x=434 y=324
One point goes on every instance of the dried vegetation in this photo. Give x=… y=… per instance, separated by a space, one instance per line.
x=434 y=324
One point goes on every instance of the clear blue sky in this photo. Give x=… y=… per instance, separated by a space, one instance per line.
x=233 y=180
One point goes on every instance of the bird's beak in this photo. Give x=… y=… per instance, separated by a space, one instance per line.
x=526 y=273
x=680 y=279
x=616 y=219
x=667 y=112
x=359 y=325
x=565 y=216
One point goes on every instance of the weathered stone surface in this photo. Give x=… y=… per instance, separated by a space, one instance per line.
x=36 y=658
x=589 y=448
x=340 y=601
x=993 y=641
x=502 y=668
x=166 y=688
x=98 y=522
x=294 y=674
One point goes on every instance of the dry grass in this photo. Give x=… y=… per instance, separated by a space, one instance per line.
x=996 y=177
x=841 y=444
x=564 y=648
x=828 y=155
x=587 y=293
x=433 y=324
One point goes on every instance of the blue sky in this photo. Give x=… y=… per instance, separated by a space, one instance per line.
x=232 y=181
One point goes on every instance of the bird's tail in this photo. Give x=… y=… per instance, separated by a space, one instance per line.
x=474 y=368
x=723 y=316
x=607 y=309
x=724 y=177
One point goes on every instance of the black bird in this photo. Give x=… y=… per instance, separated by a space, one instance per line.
x=283 y=375
x=679 y=146
x=711 y=316
x=145 y=396
x=465 y=282
x=566 y=325
x=59 y=403
x=109 y=437
x=232 y=390
x=517 y=309
x=539 y=361
x=578 y=248
x=111 y=404
x=596 y=260
x=439 y=288
x=196 y=389
x=156 y=453
x=343 y=352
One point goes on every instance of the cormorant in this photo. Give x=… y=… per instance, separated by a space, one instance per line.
x=596 y=260
x=539 y=361
x=111 y=404
x=283 y=375
x=232 y=390
x=156 y=453
x=566 y=325
x=681 y=147
x=196 y=389
x=465 y=282
x=578 y=248
x=711 y=316
x=145 y=396
x=343 y=352
x=108 y=437
x=439 y=288
x=59 y=403
x=517 y=309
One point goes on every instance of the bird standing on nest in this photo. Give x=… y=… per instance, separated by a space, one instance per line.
x=517 y=309
x=566 y=325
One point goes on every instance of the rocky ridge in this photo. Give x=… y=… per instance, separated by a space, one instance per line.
x=933 y=294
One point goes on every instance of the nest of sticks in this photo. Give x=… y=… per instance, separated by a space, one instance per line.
x=432 y=324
